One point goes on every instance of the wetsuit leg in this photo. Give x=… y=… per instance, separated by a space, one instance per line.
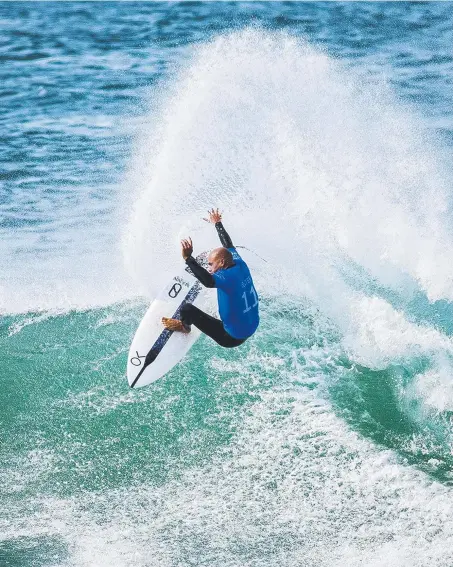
x=191 y=315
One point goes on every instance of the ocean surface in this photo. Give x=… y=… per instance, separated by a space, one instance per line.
x=324 y=132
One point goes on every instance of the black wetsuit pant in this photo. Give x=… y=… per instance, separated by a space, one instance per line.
x=191 y=315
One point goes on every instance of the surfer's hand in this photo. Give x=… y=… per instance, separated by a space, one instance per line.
x=187 y=248
x=214 y=216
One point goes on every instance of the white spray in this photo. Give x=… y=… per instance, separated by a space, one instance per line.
x=313 y=169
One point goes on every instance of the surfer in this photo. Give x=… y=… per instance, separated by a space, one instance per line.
x=236 y=294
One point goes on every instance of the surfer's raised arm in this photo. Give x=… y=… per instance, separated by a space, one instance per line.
x=202 y=275
x=215 y=217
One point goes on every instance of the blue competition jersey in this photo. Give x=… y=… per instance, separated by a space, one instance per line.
x=238 y=300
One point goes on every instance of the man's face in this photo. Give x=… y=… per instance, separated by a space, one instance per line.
x=214 y=262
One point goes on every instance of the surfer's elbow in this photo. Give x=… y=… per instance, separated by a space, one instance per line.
x=206 y=279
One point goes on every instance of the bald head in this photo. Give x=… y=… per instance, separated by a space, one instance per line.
x=219 y=259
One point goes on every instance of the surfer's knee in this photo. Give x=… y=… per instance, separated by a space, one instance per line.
x=186 y=312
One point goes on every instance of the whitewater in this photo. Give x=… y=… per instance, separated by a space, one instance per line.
x=326 y=439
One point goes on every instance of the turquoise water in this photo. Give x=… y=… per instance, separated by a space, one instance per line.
x=324 y=133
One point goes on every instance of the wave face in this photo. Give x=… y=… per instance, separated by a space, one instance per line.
x=322 y=131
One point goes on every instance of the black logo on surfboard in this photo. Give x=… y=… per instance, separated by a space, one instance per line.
x=136 y=360
x=174 y=290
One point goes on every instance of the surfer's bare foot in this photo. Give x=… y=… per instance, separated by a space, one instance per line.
x=174 y=325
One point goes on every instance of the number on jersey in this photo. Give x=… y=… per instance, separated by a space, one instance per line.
x=253 y=297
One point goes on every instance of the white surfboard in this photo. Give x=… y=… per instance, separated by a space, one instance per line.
x=155 y=350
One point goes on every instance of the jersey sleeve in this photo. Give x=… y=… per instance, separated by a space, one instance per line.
x=222 y=281
x=236 y=255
